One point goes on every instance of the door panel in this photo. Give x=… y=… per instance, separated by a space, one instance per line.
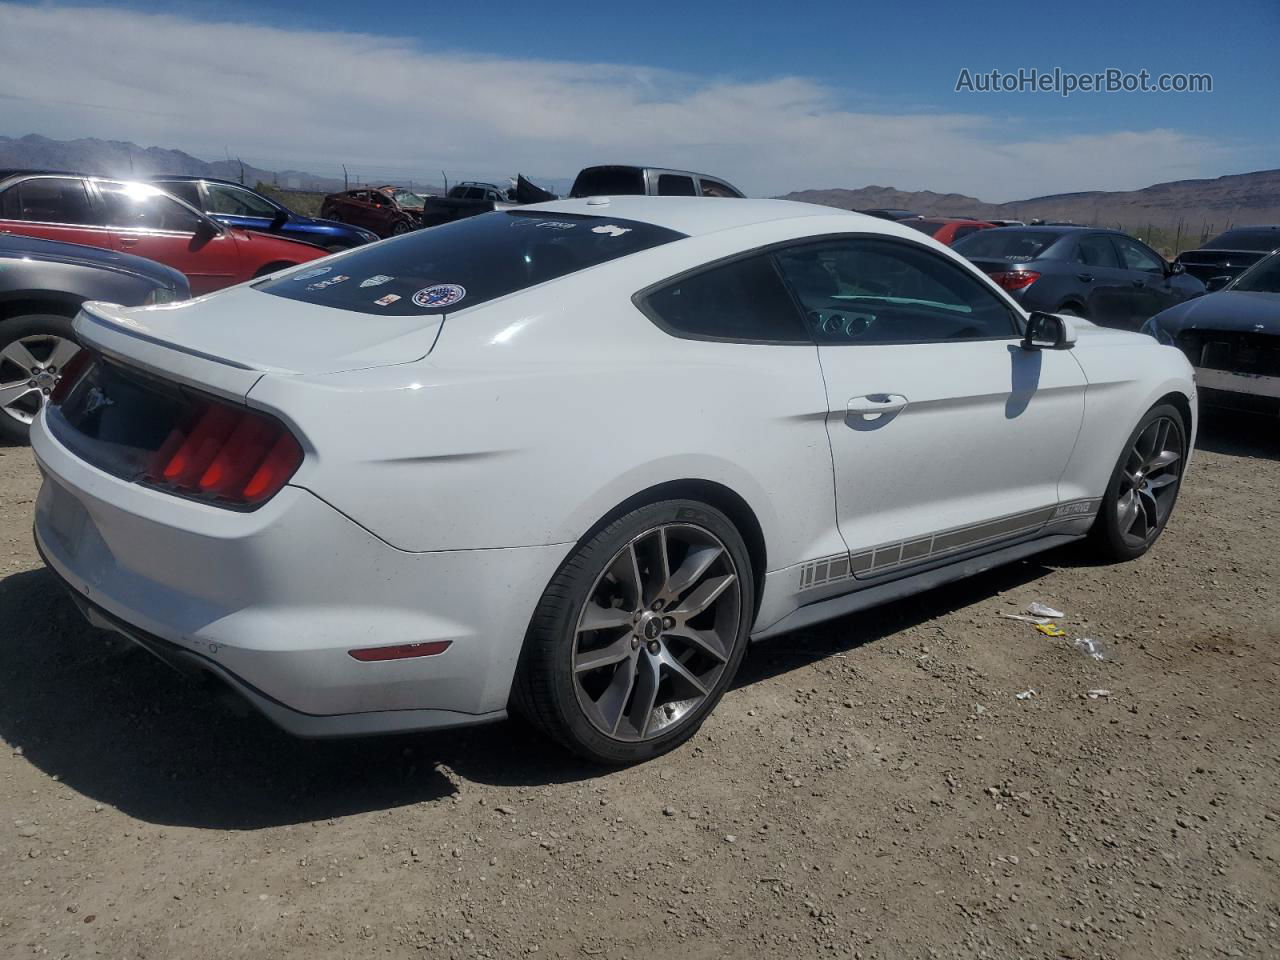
x=945 y=434
x=146 y=222
x=53 y=208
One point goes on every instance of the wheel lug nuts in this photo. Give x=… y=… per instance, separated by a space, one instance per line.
x=654 y=647
x=668 y=623
x=31 y=383
x=635 y=642
x=657 y=604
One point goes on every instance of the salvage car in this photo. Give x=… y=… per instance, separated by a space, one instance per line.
x=1229 y=254
x=235 y=205
x=384 y=212
x=1105 y=276
x=947 y=229
x=569 y=459
x=1232 y=338
x=42 y=285
x=622 y=180
x=141 y=219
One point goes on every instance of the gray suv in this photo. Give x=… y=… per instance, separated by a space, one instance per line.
x=1105 y=276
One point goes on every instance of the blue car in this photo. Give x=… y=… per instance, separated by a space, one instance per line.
x=238 y=206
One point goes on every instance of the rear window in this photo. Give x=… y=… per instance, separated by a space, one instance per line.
x=609 y=182
x=1245 y=240
x=1008 y=243
x=467 y=262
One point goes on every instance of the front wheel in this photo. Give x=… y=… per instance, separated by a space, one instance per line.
x=400 y=228
x=639 y=634
x=1144 y=487
x=34 y=349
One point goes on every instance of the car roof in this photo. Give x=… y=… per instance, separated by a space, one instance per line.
x=694 y=216
x=1062 y=228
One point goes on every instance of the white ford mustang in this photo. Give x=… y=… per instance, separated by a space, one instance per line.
x=571 y=458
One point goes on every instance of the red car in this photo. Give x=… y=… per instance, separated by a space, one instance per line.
x=143 y=220
x=947 y=230
x=387 y=211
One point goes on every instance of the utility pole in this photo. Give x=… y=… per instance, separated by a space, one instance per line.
x=346 y=184
x=241 y=162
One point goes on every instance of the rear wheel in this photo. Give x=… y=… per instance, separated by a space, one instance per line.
x=400 y=228
x=1144 y=487
x=34 y=349
x=1073 y=310
x=639 y=634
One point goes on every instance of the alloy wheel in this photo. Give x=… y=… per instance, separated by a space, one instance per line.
x=656 y=631
x=30 y=367
x=1149 y=482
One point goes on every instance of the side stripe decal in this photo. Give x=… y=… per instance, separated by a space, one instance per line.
x=888 y=556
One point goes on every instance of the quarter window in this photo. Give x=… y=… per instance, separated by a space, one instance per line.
x=714 y=188
x=864 y=290
x=51 y=200
x=744 y=300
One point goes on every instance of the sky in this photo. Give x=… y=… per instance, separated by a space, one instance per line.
x=773 y=97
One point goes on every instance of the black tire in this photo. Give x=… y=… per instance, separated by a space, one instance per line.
x=12 y=428
x=1073 y=310
x=546 y=689
x=401 y=228
x=335 y=217
x=1107 y=537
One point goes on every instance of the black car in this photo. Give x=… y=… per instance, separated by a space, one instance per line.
x=1230 y=254
x=237 y=206
x=1105 y=276
x=42 y=284
x=1232 y=338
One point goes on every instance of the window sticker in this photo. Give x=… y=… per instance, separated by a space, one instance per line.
x=611 y=230
x=320 y=285
x=389 y=298
x=440 y=295
x=376 y=281
x=311 y=274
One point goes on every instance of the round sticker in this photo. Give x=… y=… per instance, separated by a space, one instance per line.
x=313 y=272
x=440 y=295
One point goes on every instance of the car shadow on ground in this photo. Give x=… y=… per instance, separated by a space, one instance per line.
x=1239 y=434
x=123 y=729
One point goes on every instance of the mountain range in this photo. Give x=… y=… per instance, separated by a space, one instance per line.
x=1198 y=205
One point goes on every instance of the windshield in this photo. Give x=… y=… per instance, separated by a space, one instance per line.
x=1012 y=244
x=407 y=199
x=1266 y=239
x=1262 y=277
x=460 y=264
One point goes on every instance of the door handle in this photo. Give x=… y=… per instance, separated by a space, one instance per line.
x=128 y=241
x=1137 y=283
x=873 y=408
x=1085 y=277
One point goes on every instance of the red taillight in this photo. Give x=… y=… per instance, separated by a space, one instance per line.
x=401 y=651
x=1015 y=279
x=226 y=454
x=71 y=373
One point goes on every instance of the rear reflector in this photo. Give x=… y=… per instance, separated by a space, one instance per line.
x=1015 y=279
x=402 y=652
x=228 y=455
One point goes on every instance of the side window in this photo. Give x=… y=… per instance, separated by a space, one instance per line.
x=188 y=190
x=475 y=193
x=1096 y=251
x=714 y=188
x=237 y=202
x=962 y=232
x=675 y=185
x=1138 y=257
x=53 y=200
x=135 y=206
x=10 y=205
x=867 y=290
x=743 y=300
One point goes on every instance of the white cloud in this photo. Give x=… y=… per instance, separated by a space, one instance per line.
x=311 y=100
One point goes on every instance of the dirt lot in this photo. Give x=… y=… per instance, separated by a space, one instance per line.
x=872 y=788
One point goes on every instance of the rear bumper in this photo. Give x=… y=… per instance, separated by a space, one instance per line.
x=272 y=601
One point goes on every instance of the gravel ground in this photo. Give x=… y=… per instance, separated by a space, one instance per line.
x=870 y=788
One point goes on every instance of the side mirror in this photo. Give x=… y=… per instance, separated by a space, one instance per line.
x=279 y=220
x=1216 y=283
x=207 y=229
x=1047 y=331
x=1175 y=268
